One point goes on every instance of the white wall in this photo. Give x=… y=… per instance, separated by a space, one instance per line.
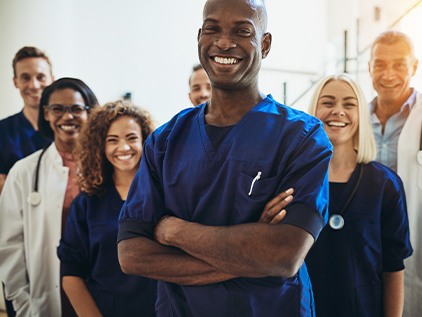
x=149 y=47
x=145 y=47
x=299 y=32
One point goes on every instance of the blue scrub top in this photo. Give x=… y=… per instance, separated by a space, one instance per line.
x=181 y=174
x=88 y=250
x=18 y=139
x=346 y=265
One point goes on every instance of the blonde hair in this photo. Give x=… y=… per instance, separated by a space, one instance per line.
x=363 y=140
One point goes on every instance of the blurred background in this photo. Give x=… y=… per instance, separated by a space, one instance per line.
x=147 y=48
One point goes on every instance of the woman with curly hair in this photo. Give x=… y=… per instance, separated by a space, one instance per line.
x=108 y=153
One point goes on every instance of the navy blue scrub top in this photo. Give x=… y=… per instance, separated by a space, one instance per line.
x=346 y=265
x=18 y=139
x=181 y=174
x=88 y=250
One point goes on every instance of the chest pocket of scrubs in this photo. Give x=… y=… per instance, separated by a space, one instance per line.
x=248 y=208
x=367 y=239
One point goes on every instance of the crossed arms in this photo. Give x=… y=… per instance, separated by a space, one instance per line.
x=189 y=253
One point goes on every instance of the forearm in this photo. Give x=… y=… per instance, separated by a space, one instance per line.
x=393 y=293
x=80 y=297
x=250 y=250
x=142 y=256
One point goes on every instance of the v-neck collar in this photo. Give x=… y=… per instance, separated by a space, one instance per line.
x=112 y=192
x=216 y=155
x=345 y=194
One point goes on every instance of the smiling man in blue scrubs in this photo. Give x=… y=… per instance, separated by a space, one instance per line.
x=191 y=216
x=20 y=137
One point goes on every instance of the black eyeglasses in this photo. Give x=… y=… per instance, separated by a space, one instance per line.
x=58 y=110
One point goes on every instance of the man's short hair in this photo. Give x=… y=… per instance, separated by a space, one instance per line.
x=194 y=69
x=391 y=37
x=27 y=52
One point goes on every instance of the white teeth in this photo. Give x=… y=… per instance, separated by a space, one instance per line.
x=68 y=127
x=225 y=61
x=336 y=124
x=124 y=157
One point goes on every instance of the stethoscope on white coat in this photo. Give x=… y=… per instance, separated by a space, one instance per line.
x=34 y=198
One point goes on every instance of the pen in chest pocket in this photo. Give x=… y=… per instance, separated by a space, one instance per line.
x=257 y=177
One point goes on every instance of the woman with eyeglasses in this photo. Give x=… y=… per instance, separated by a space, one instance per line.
x=356 y=265
x=108 y=153
x=35 y=203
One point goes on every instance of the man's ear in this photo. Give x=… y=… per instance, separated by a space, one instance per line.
x=199 y=34
x=15 y=82
x=415 y=66
x=266 y=44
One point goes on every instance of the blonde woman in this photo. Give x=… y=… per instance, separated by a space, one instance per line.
x=356 y=265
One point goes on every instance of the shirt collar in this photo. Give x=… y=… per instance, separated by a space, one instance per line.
x=409 y=103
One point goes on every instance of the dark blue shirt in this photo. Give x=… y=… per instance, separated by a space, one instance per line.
x=88 y=250
x=346 y=265
x=182 y=174
x=18 y=139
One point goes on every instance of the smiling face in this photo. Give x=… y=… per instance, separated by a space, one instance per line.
x=338 y=109
x=231 y=43
x=123 y=147
x=33 y=74
x=200 y=87
x=391 y=68
x=66 y=127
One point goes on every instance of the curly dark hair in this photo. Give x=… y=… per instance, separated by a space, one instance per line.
x=94 y=170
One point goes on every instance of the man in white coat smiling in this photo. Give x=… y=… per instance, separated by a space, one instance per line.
x=396 y=115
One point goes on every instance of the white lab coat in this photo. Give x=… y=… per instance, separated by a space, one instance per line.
x=410 y=172
x=29 y=236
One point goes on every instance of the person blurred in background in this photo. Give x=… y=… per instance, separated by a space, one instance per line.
x=199 y=86
x=396 y=115
x=35 y=202
x=20 y=137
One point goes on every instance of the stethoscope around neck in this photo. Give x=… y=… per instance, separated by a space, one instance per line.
x=34 y=198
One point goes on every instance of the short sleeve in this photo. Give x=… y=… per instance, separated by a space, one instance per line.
x=394 y=227
x=4 y=166
x=144 y=205
x=74 y=249
x=307 y=173
x=3 y=169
